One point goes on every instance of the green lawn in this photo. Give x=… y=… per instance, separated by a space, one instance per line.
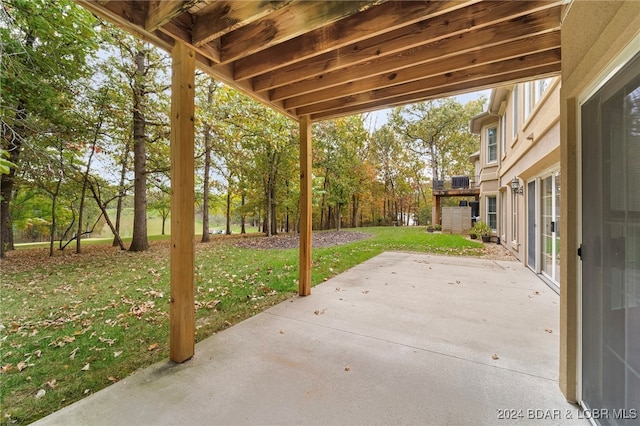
x=72 y=324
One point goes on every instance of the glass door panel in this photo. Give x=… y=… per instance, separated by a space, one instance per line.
x=611 y=248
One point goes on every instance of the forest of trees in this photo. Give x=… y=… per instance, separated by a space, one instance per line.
x=85 y=134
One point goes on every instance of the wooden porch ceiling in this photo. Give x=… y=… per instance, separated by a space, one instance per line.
x=325 y=59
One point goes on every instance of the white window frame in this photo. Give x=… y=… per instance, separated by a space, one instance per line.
x=494 y=212
x=503 y=135
x=495 y=143
x=514 y=111
x=529 y=99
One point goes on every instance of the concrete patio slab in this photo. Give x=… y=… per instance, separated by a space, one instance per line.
x=400 y=339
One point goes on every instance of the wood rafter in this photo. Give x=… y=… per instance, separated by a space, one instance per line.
x=222 y=17
x=159 y=12
x=330 y=58
x=506 y=67
x=443 y=91
x=406 y=48
x=428 y=69
x=357 y=28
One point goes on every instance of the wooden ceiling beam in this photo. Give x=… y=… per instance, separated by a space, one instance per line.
x=128 y=15
x=179 y=30
x=390 y=15
x=550 y=70
x=222 y=17
x=522 y=63
x=487 y=39
x=284 y=24
x=482 y=55
x=159 y=12
x=501 y=15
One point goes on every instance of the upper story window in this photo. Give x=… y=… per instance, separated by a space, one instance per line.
x=541 y=86
x=533 y=92
x=503 y=134
x=514 y=110
x=492 y=144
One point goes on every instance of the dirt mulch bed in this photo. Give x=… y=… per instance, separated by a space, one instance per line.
x=495 y=251
x=289 y=241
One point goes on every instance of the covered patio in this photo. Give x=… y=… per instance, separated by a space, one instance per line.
x=315 y=60
x=400 y=339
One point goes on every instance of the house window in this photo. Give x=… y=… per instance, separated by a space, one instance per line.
x=529 y=98
x=514 y=111
x=503 y=134
x=533 y=92
x=492 y=145
x=492 y=212
x=541 y=86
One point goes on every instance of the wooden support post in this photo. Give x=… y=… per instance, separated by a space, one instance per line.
x=436 y=210
x=181 y=311
x=304 y=285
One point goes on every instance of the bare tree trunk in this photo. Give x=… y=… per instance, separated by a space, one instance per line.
x=207 y=169
x=54 y=201
x=84 y=187
x=355 y=211
x=6 y=222
x=242 y=215
x=228 y=232
x=140 y=242
x=121 y=189
x=338 y=217
x=12 y=143
x=267 y=219
x=274 y=219
x=103 y=209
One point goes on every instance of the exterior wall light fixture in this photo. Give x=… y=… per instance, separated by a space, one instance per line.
x=516 y=187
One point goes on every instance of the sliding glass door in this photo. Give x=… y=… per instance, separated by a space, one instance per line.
x=550 y=241
x=611 y=248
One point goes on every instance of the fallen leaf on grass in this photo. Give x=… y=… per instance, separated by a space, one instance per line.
x=5 y=368
x=494 y=357
x=117 y=354
x=107 y=341
x=85 y=368
x=21 y=365
x=40 y=393
x=52 y=383
x=211 y=304
x=113 y=379
x=73 y=353
x=153 y=346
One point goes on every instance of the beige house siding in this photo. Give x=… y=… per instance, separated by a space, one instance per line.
x=593 y=35
x=527 y=147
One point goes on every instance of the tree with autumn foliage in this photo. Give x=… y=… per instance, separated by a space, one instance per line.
x=46 y=47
